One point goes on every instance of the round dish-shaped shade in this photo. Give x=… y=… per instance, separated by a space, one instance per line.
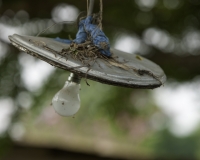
x=100 y=71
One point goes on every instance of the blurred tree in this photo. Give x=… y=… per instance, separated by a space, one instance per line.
x=168 y=34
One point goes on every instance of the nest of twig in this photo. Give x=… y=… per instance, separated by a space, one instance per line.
x=88 y=54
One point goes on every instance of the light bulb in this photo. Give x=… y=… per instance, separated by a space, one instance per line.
x=67 y=101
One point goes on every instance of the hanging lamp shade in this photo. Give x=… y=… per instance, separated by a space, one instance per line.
x=131 y=70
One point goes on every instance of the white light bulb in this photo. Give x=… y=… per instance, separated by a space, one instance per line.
x=67 y=101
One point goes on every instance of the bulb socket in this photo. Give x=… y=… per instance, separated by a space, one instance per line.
x=74 y=78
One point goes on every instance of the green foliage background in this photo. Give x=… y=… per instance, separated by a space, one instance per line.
x=115 y=114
